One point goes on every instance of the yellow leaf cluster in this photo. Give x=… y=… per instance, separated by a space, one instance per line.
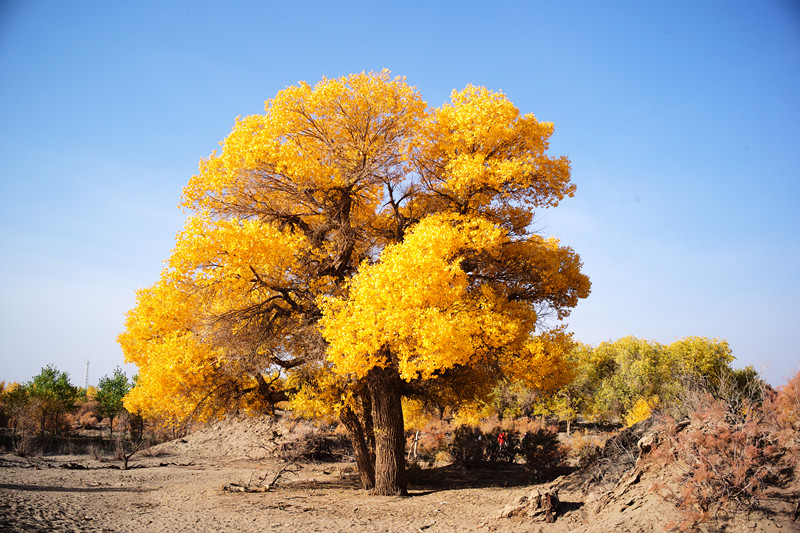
x=481 y=154
x=545 y=364
x=321 y=393
x=701 y=355
x=174 y=364
x=642 y=410
x=415 y=301
x=420 y=305
x=471 y=414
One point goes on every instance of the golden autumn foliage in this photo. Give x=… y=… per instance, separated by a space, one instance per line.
x=701 y=356
x=419 y=303
x=352 y=228
x=642 y=410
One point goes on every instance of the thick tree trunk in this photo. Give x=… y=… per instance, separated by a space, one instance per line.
x=390 y=442
x=364 y=459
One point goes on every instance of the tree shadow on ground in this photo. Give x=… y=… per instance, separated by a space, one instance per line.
x=422 y=481
x=58 y=488
x=456 y=476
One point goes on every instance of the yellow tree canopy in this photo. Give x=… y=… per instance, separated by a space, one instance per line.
x=426 y=210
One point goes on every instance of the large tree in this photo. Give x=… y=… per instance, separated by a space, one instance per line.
x=352 y=246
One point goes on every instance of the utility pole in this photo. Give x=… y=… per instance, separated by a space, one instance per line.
x=86 y=377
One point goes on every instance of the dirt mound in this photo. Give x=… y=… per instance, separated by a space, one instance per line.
x=229 y=440
x=621 y=489
x=257 y=438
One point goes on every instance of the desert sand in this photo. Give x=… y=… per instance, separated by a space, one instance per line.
x=179 y=486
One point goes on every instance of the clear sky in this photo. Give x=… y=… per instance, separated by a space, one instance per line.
x=681 y=118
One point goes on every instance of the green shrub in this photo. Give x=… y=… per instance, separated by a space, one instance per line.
x=467 y=445
x=544 y=455
x=512 y=447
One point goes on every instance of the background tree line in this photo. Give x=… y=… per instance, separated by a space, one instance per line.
x=49 y=405
x=624 y=380
x=620 y=381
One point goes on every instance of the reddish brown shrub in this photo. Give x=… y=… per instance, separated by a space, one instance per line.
x=787 y=402
x=432 y=438
x=85 y=416
x=784 y=409
x=727 y=457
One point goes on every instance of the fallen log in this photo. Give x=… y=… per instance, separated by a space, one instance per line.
x=235 y=487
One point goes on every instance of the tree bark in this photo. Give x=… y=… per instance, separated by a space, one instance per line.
x=364 y=459
x=387 y=416
x=369 y=427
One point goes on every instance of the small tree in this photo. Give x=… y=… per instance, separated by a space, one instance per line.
x=110 y=392
x=130 y=440
x=13 y=399
x=52 y=397
x=16 y=404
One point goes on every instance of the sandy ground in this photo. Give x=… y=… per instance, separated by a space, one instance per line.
x=41 y=495
x=178 y=486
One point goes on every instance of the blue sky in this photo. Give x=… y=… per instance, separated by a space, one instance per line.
x=682 y=121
